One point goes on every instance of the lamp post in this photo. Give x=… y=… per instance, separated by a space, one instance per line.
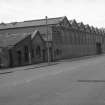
x=48 y=53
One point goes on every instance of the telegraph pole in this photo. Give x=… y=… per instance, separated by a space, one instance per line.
x=48 y=53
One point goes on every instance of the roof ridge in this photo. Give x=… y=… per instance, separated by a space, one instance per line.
x=43 y=19
x=28 y=23
x=13 y=23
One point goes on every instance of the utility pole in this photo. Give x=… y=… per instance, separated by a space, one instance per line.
x=48 y=53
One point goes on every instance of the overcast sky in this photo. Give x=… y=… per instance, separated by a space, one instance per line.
x=89 y=11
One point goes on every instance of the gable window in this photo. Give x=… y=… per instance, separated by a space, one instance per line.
x=38 y=51
x=26 y=58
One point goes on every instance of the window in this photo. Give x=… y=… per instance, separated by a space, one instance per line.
x=26 y=58
x=58 y=52
x=19 y=57
x=38 y=51
x=0 y=63
x=32 y=52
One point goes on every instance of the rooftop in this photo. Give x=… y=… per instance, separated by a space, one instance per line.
x=11 y=40
x=39 y=22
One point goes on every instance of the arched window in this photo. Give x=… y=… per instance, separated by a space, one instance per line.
x=38 y=51
x=32 y=52
x=58 y=52
x=0 y=63
x=26 y=57
x=19 y=57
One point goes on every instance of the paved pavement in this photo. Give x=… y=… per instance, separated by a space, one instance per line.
x=10 y=70
x=81 y=82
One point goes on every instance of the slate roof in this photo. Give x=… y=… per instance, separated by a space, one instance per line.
x=11 y=40
x=73 y=21
x=73 y=24
x=81 y=26
x=87 y=28
x=92 y=29
x=34 y=34
x=39 y=22
x=96 y=30
x=102 y=30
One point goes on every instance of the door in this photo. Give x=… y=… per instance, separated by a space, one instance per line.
x=98 y=48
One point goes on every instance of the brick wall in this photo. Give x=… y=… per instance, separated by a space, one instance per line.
x=20 y=47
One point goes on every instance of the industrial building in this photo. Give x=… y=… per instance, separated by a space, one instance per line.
x=36 y=41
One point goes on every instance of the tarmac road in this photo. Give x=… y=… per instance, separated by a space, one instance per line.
x=79 y=82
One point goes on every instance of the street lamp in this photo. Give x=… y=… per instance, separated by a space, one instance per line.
x=48 y=53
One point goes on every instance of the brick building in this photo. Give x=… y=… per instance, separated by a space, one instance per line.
x=64 y=38
x=21 y=49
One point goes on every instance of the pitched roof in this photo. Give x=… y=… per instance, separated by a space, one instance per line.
x=43 y=36
x=81 y=26
x=92 y=29
x=39 y=22
x=35 y=33
x=102 y=30
x=87 y=28
x=73 y=21
x=96 y=30
x=73 y=24
x=11 y=40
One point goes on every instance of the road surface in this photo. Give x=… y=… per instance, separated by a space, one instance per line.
x=79 y=82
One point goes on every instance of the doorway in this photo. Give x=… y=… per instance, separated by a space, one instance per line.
x=0 y=62
x=11 y=58
x=19 y=59
x=98 y=48
x=51 y=53
x=44 y=55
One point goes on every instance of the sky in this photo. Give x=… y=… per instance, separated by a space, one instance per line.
x=90 y=12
